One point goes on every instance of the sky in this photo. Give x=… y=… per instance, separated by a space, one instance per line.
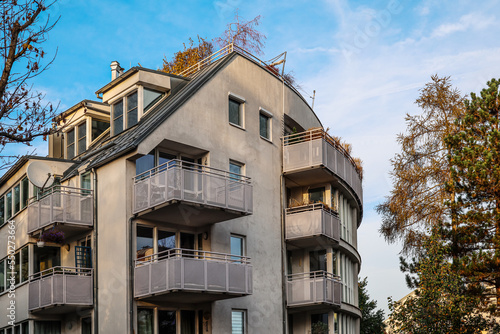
x=366 y=60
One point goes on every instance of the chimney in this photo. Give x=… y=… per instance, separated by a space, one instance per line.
x=116 y=70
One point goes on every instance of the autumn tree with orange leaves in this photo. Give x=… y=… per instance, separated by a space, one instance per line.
x=24 y=115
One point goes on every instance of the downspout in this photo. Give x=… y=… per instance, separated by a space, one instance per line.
x=282 y=209
x=95 y=262
x=131 y=273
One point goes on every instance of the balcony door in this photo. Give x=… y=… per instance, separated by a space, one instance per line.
x=317 y=260
x=46 y=257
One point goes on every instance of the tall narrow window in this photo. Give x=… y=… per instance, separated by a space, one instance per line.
x=145 y=321
x=131 y=110
x=118 y=117
x=25 y=183
x=235 y=170
x=85 y=181
x=70 y=144
x=87 y=325
x=8 y=205
x=264 y=126
x=82 y=137
x=166 y=322
x=24 y=264
x=237 y=247
x=238 y=322
x=144 y=242
x=17 y=198
x=2 y=276
x=235 y=112
x=2 y=210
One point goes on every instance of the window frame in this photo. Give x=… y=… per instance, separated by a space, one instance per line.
x=269 y=116
x=68 y=144
x=241 y=110
x=243 y=317
x=232 y=175
x=125 y=112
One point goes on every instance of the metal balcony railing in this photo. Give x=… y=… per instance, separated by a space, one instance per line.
x=60 y=204
x=304 y=150
x=194 y=271
x=189 y=182
x=61 y=286
x=311 y=220
x=317 y=287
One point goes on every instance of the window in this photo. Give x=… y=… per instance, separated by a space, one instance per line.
x=150 y=98
x=145 y=321
x=316 y=195
x=48 y=327
x=238 y=322
x=2 y=210
x=166 y=240
x=144 y=242
x=21 y=268
x=25 y=183
x=319 y=323
x=145 y=163
x=98 y=127
x=117 y=117
x=2 y=275
x=317 y=260
x=85 y=181
x=46 y=258
x=235 y=112
x=17 y=199
x=131 y=110
x=87 y=325
x=235 y=170
x=24 y=264
x=70 y=144
x=166 y=322
x=265 y=123
x=8 y=205
x=237 y=245
x=82 y=138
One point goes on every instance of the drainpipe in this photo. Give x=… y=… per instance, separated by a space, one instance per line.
x=131 y=272
x=95 y=262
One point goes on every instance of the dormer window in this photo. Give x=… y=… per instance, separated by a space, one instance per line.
x=80 y=137
x=131 y=110
x=70 y=147
x=150 y=98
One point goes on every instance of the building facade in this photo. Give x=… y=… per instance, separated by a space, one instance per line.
x=207 y=202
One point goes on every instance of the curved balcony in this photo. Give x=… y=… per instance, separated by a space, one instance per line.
x=177 y=275
x=311 y=225
x=185 y=193
x=313 y=290
x=313 y=156
x=70 y=208
x=60 y=290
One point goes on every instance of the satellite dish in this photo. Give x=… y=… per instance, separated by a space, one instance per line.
x=40 y=174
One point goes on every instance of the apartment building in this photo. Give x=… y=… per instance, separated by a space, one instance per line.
x=206 y=202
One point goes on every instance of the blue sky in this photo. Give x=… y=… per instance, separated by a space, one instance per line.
x=365 y=59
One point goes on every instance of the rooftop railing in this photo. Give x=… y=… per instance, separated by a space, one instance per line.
x=317 y=287
x=61 y=204
x=193 y=271
x=61 y=286
x=190 y=182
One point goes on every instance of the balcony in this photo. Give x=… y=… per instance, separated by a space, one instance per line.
x=180 y=275
x=313 y=290
x=313 y=156
x=185 y=193
x=311 y=225
x=60 y=290
x=71 y=208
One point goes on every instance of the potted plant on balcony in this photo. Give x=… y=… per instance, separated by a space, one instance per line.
x=52 y=235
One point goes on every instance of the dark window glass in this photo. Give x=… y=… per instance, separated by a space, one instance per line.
x=17 y=329
x=24 y=192
x=17 y=198
x=25 y=328
x=187 y=240
x=2 y=276
x=8 y=205
x=145 y=163
x=234 y=112
x=166 y=240
x=164 y=158
x=82 y=138
x=24 y=264
x=52 y=327
x=131 y=110
x=145 y=321
x=70 y=148
x=316 y=195
x=2 y=211
x=317 y=260
x=188 y=322
x=46 y=257
x=87 y=325
x=166 y=322
x=319 y=323
x=150 y=98
x=98 y=127
x=264 y=126
x=144 y=241
x=118 y=117
x=334 y=263
x=17 y=267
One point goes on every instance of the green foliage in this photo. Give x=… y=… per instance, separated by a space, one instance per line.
x=475 y=180
x=439 y=305
x=319 y=328
x=372 y=321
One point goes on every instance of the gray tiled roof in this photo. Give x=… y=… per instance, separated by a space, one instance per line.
x=111 y=148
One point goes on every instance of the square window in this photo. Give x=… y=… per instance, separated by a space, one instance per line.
x=235 y=114
x=238 y=322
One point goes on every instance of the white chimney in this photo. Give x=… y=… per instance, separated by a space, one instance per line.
x=116 y=70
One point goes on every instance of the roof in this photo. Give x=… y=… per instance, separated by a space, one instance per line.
x=83 y=103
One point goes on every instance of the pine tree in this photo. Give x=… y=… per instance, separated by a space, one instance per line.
x=372 y=320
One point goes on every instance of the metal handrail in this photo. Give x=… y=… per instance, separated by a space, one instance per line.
x=201 y=169
x=192 y=254
x=313 y=274
x=310 y=207
x=319 y=133
x=59 y=270
x=61 y=190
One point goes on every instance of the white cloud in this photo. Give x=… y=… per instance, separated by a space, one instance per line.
x=473 y=21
